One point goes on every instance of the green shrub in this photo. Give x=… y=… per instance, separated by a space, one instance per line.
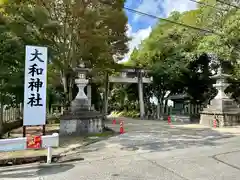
x=53 y=120
x=132 y=114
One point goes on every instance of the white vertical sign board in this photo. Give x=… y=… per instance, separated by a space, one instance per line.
x=34 y=112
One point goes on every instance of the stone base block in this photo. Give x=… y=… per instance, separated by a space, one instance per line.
x=181 y=118
x=222 y=119
x=80 y=127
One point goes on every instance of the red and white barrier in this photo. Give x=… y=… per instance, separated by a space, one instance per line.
x=23 y=143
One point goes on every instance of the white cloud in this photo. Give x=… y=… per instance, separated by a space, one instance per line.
x=137 y=38
x=178 y=5
x=148 y=6
x=163 y=8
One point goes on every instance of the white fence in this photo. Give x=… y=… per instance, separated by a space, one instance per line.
x=188 y=109
x=11 y=114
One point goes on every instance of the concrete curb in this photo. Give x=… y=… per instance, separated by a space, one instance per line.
x=114 y=133
x=77 y=147
x=41 y=159
x=25 y=160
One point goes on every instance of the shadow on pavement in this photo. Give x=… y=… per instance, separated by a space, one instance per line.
x=170 y=139
x=31 y=172
x=159 y=136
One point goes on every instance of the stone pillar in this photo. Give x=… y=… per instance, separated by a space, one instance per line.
x=140 y=93
x=89 y=95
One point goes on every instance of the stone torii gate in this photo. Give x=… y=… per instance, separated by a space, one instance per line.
x=128 y=75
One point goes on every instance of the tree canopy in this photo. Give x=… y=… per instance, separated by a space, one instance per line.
x=181 y=57
x=74 y=31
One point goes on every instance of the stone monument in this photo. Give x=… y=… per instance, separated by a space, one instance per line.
x=221 y=108
x=81 y=118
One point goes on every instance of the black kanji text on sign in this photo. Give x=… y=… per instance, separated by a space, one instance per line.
x=35 y=83
x=35 y=101
x=36 y=56
x=34 y=70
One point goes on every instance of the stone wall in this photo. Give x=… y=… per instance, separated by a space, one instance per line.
x=180 y=118
x=81 y=127
x=222 y=119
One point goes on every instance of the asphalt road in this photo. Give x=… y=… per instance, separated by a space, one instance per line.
x=149 y=150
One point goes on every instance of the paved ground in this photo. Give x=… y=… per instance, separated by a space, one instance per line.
x=150 y=150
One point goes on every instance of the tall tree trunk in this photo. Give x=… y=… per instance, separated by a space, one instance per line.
x=70 y=94
x=1 y=109
x=158 y=108
x=162 y=104
x=1 y=119
x=106 y=94
x=166 y=105
x=65 y=87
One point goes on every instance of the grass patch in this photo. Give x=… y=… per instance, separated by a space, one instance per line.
x=103 y=134
x=53 y=120
x=130 y=113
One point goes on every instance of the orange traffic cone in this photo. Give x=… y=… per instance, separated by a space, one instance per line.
x=215 y=123
x=169 y=120
x=121 y=127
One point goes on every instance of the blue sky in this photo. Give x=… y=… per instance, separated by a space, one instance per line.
x=140 y=26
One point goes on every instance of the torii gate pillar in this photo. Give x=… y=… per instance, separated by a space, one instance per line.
x=140 y=93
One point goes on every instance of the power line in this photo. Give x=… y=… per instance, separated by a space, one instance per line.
x=170 y=21
x=174 y=22
x=163 y=19
x=209 y=5
x=185 y=25
x=229 y=4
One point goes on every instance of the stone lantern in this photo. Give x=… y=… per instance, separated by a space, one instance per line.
x=222 y=108
x=81 y=100
x=81 y=119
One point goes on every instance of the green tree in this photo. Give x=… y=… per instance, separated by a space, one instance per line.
x=197 y=82
x=172 y=52
x=74 y=31
x=11 y=69
x=193 y=46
